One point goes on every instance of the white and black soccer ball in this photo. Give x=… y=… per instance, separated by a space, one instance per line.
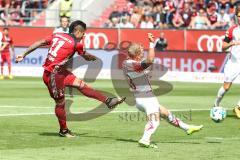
x=218 y=114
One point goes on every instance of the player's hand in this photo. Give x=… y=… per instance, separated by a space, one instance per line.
x=19 y=58
x=89 y=57
x=151 y=37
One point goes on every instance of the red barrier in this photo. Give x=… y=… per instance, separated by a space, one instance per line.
x=192 y=62
x=202 y=40
x=188 y=62
x=23 y=37
x=97 y=38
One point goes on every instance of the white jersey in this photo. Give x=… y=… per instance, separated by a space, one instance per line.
x=233 y=34
x=61 y=30
x=137 y=76
x=136 y=73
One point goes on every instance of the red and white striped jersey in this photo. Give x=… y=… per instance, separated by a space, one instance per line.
x=137 y=75
x=233 y=34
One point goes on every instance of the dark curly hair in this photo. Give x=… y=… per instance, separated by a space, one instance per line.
x=75 y=24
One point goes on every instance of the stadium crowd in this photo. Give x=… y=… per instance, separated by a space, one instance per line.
x=20 y=12
x=193 y=14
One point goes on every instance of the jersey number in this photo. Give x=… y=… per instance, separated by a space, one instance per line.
x=132 y=85
x=56 y=45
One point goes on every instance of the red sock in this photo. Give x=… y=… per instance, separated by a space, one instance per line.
x=90 y=92
x=9 y=69
x=61 y=115
x=1 y=68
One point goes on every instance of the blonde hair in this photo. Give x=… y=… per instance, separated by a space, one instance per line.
x=134 y=50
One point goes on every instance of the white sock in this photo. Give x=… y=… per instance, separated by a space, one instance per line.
x=220 y=95
x=173 y=120
x=150 y=128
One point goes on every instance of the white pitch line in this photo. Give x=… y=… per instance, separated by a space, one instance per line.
x=221 y=138
x=30 y=107
x=24 y=114
x=214 y=138
x=14 y=106
x=36 y=107
x=50 y=113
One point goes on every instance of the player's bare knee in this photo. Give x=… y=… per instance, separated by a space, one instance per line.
x=164 y=112
x=227 y=86
x=82 y=85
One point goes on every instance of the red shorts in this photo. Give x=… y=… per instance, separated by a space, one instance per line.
x=56 y=82
x=5 y=56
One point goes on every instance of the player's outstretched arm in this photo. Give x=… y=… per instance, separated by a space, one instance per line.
x=151 y=52
x=30 y=49
x=227 y=45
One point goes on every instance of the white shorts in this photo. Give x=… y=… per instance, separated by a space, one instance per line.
x=148 y=105
x=231 y=71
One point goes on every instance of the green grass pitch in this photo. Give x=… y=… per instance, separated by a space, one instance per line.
x=28 y=128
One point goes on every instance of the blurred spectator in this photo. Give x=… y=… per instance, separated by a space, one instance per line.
x=39 y=5
x=5 y=16
x=115 y=13
x=147 y=9
x=159 y=16
x=186 y=14
x=147 y=22
x=178 y=4
x=125 y=22
x=163 y=13
x=64 y=24
x=114 y=23
x=15 y=16
x=194 y=12
x=200 y=4
x=136 y=16
x=212 y=15
x=171 y=13
x=158 y=2
x=177 y=20
x=2 y=13
x=107 y=24
x=125 y=12
x=169 y=16
x=161 y=43
x=213 y=3
x=200 y=21
x=65 y=8
x=26 y=10
x=16 y=12
x=223 y=20
x=224 y=4
x=170 y=5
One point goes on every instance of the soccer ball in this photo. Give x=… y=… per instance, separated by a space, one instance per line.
x=218 y=114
